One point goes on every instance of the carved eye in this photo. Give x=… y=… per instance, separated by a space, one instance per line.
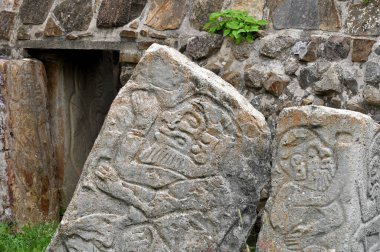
x=192 y=120
x=180 y=141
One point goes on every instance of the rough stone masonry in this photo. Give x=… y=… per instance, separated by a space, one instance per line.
x=178 y=166
x=325 y=183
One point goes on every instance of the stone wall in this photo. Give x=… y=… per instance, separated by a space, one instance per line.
x=323 y=52
x=314 y=52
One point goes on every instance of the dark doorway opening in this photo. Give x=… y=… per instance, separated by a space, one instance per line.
x=81 y=88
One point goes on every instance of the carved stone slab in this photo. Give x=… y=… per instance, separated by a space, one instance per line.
x=28 y=186
x=325 y=183
x=178 y=165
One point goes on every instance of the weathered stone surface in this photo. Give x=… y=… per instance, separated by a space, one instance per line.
x=308 y=76
x=202 y=46
x=272 y=77
x=201 y=10
x=304 y=14
x=166 y=14
x=115 y=13
x=35 y=11
x=361 y=49
x=255 y=8
x=275 y=84
x=325 y=179
x=371 y=95
x=22 y=33
x=306 y=51
x=7 y=21
x=180 y=156
x=30 y=169
x=274 y=44
x=255 y=75
x=291 y=66
x=372 y=72
x=74 y=15
x=348 y=78
x=364 y=19
x=242 y=51
x=52 y=29
x=337 y=47
x=129 y=34
x=9 y=4
x=330 y=82
x=232 y=77
x=377 y=50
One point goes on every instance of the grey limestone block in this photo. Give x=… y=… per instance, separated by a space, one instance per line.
x=325 y=183
x=178 y=165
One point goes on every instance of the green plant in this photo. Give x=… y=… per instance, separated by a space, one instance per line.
x=235 y=24
x=366 y=1
x=30 y=239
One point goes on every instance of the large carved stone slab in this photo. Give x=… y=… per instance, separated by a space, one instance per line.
x=325 y=183
x=178 y=166
x=28 y=186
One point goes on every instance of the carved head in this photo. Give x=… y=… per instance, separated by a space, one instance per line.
x=305 y=157
x=195 y=132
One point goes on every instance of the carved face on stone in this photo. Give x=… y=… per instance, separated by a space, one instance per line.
x=193 y=133
x=304 y=157
x=187 y=130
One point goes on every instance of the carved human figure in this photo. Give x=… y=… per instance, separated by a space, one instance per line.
x=171 y=179
x=369 y=197
x=307 y=205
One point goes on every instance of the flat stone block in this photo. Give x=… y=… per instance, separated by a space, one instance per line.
x=166 y=14
x=361 y=49
x=325 y=183
x=180 y=157
x=304 y=14
x=7 y=21
x=28 y=185
x=364 y=19
x=115 y=13
x=74 y=15
x=35 y=11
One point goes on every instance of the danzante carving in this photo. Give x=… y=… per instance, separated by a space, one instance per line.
x=325 y=183
x=310 y=197
x=369 y=197
x=170 y=174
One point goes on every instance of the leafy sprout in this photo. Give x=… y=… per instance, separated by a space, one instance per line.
x=236 y=24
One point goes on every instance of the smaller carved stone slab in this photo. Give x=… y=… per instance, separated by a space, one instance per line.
x=178 y=166
x=325 y=183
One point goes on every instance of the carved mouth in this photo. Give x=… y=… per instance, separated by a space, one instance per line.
x=167 y=157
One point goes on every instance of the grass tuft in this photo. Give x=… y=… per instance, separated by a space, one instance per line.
x=31 y=238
